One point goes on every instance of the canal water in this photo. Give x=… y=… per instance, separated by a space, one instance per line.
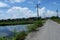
x=8 y=30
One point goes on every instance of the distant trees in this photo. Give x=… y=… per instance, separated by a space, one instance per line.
x=19 y=21
x=53 y=17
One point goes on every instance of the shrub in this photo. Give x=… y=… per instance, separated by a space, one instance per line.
x=38 y=23
x=21 y=35
x=34 y=26
x=3 y=38
x=53 y=17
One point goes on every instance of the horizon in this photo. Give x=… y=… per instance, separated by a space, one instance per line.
x=12 y=9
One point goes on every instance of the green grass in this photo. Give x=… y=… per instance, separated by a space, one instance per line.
x=56 y=19
x=15 y=23
x=23 y=34
x=18 y=36
x=19 y=21
x=35 y=25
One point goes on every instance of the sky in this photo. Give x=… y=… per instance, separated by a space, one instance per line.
x=11 y=9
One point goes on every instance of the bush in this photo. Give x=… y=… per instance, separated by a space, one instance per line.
x=38 y=23
x=3 y=38
x=34 y=26
x=21 y=35
x=53 y=17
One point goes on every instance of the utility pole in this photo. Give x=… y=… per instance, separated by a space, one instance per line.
x=57 y=13
x=37 y=6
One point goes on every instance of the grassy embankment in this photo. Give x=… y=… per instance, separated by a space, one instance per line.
x=37 y=24
x=20 y=21
x=17 y=36
x=56 y=19
x=23 y=34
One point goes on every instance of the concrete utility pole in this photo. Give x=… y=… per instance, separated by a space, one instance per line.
x=57 y=13
x=37 y=5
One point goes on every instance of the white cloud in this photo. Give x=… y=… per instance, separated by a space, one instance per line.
x=24 y=12
x=19 y=12
x=51 y=13
x=13 y=1
x=42 y=11
x=3 y=4
x=4 y=15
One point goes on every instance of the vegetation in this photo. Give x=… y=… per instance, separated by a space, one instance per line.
x=53 y=17
x=18 y=36
x=35 y=25
x=3 y=38
x=56 y=19
x=37 y=22
x=30 y=20
x=21 y=36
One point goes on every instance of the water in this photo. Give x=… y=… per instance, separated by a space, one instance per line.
x=8 y=30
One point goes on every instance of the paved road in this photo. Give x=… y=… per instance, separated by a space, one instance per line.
x=50 y=31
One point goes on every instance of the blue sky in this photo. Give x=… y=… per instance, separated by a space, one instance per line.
x=27 y=8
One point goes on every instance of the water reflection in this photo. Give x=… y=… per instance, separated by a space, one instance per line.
x=8 y=30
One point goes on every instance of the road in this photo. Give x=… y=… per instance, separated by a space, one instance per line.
x=50 y=31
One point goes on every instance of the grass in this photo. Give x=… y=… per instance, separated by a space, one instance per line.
x=35 y=25
x=18 y=36
x=18 y=21
x=56 y=19
x=23 y=34
x=15 y=23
